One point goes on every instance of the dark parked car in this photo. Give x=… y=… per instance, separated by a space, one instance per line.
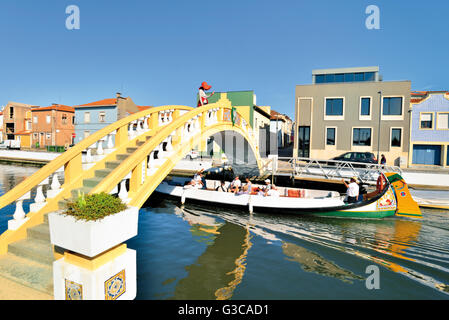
x=365 y=157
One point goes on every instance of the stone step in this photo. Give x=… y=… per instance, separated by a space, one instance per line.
x=122 y=157
x=26 y=272
x=37 y=250
x=131 y=149
x=92 y=182
x=113 y=164
x=103 y=172
x=39 y=232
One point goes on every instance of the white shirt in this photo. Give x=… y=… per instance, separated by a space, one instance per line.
x=353 y=190
x=236 y=183
x=273 y=193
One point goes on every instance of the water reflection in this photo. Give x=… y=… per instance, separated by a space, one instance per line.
x=313 y=262
x=215 y=274
x=391 y=243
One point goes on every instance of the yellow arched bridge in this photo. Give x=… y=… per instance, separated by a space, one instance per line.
x=142 y=148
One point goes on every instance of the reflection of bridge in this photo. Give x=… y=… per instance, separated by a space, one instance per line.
x=129 y=157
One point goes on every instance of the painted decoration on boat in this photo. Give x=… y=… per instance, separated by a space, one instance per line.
x=73 y=290
x=115 y=286
x=387 y=201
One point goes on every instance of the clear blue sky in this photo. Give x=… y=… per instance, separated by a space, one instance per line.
x=158 y=52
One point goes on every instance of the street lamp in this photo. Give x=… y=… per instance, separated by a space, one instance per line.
x=378 y=128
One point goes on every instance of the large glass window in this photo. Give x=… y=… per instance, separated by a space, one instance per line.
x=426 y=121
x=396 y=137
x=334 y=107
x=365 y=108
x=330 y=136
x=345 y=77
x=361 y=137
x=392 y=106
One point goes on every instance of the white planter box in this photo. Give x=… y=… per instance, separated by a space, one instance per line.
x=91 y=238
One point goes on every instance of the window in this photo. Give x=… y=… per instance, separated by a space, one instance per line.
x=396 y=134
x=369 y=76
x=358 y=76
x=349 y=77
x=443 y=120
x=28 y=125
x=11 y=112
x=361 y=137
x=426 y=120
x=64 y=118
x=102 y=116
x=334 y=107
x=329 y=78
x=330 y=136
x=35 y=136
x=73 y=120
x=35 y=119
x=48 y=136
x=86 y=134
x=319 y=78
x=86 y=117
x=365 y=107
x=392 y=106
x=48 y=119
x=340 y=77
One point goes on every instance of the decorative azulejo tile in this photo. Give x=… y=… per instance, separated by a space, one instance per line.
x=115 y=286
x=73 y=290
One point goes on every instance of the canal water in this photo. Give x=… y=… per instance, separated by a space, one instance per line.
x=195 y=252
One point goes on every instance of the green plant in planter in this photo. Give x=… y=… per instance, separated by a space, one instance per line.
x=94 y=206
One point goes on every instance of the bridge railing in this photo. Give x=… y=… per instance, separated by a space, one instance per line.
x=82 y=157
x=154 y=159
x=332 y=169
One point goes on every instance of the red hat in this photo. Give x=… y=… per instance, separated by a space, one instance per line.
x=205 y=86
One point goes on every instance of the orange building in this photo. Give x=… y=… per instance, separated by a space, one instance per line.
x=53 y=126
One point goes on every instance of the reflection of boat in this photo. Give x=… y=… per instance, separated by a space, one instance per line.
x=293 y=200
x=313 y=262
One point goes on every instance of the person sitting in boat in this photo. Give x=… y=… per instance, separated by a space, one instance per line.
x=203 y=95
x=244 y=190
x=273 y=191
x=353 y=190
x=199 y=179
x=221 y=187
x=248 y=185
x=235 y=185
x=267 y=185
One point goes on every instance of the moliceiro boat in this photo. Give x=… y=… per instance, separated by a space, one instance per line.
x=376 y=204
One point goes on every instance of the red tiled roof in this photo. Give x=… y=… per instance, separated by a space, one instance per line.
x=104 y=102
x=57 y=107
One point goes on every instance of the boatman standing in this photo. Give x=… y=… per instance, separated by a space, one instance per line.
x=353 y=190
x=203 y=96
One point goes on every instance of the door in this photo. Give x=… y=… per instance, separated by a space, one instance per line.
x=304 y=141
x=427 y=154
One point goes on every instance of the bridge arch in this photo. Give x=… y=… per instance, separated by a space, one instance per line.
x=123 y=150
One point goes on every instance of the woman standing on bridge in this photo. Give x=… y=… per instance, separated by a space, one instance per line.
x=203 y=95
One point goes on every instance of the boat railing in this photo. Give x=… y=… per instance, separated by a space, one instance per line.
x=331 y=169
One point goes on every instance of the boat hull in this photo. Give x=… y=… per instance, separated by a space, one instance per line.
x=380 y=207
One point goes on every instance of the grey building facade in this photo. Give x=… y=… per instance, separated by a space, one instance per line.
x=339 y=112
